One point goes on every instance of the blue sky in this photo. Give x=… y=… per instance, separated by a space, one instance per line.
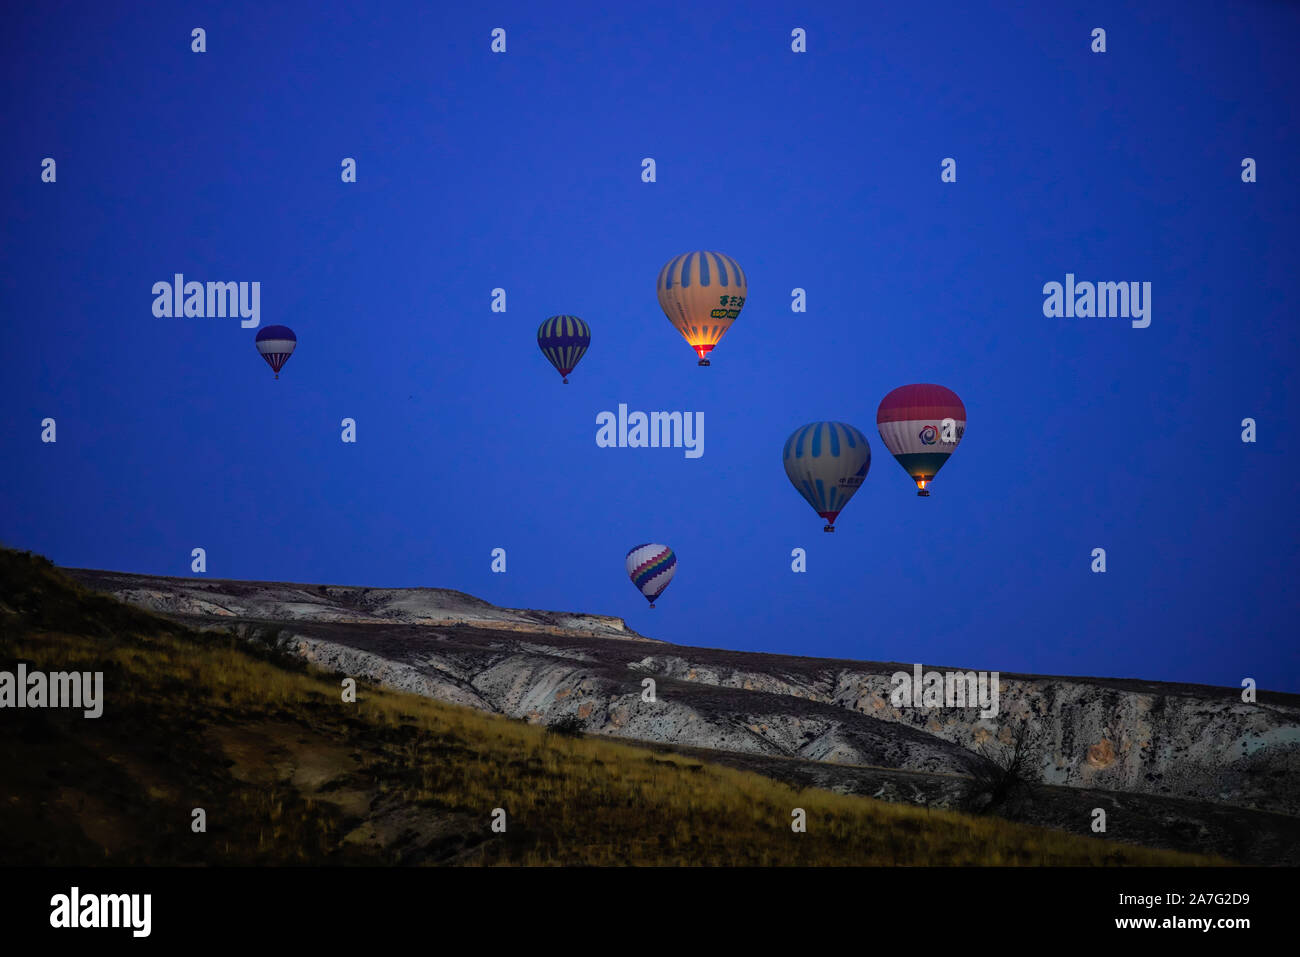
x=820 y=170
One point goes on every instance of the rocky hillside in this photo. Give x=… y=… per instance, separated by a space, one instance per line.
x=286 y=601
x=1181 y=766
x=214 y=750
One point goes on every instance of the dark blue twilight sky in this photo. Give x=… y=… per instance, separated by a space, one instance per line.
x=817 y=170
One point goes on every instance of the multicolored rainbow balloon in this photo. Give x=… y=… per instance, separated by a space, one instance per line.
x=651 y=568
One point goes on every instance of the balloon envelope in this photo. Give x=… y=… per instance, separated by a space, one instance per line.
x=911 y=423
x=702 y=293
x=826 y=463
x=651 y=567
x=564 y=340
x=276 y=344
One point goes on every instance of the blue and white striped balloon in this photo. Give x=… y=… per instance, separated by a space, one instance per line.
x=826 y=463
x=564 y=340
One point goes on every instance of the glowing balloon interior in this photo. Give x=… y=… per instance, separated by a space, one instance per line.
x=702 y=293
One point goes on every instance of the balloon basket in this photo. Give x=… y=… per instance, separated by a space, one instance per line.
x=566 y=382
x=705 y=362
x=829 y=528
x=652 y=604
x=924 y=493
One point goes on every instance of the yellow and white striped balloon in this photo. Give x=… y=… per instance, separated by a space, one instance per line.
x=702 y=293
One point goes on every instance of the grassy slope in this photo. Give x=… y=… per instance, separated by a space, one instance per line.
x=289 y=774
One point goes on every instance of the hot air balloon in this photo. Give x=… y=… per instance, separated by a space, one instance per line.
x=651 y=568
x=912 y=422
x=826 y=463
x=702 y=293
x=563 y=340
x=276 y=343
